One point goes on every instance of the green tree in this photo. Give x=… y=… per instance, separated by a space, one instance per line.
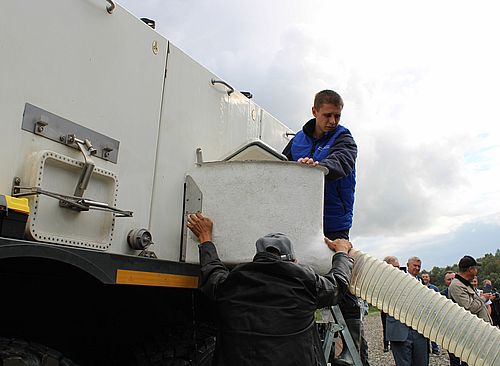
x=490 y=269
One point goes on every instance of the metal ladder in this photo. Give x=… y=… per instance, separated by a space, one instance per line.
x=339 y=325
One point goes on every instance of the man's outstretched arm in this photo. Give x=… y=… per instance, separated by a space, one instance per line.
x=213 y=271
x=333 y=286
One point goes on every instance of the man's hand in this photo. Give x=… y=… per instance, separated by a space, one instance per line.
x=307 y=161
x=339 y=245
x=201 y=226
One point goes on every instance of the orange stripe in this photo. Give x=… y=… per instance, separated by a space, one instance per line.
x=126 y=277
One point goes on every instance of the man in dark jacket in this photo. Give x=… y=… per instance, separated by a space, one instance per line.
x=323 y=141
x=266 y=307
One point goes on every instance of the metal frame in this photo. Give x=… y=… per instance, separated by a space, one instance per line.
x=49 y=125
x=342 y=327
x=193 y=202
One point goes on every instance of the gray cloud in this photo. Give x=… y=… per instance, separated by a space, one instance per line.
x=474 y=238
x=400 y=187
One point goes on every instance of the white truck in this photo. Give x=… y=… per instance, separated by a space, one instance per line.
x=110 y=135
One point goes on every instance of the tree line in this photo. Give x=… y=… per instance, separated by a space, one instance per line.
x=489 y=269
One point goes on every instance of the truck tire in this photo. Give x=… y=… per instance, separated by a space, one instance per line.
x=179 y=352
x=16 y=352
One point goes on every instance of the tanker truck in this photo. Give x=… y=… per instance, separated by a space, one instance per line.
x=110 y=136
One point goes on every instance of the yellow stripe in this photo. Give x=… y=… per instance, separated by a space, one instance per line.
x=126 y=277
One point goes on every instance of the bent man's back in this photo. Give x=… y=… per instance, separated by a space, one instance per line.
x=266 y=307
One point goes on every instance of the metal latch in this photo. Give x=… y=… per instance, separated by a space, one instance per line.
x=87 y=150
x=78 y=203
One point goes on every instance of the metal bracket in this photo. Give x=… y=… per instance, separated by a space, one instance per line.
x=147 y=254
x=46 y=124
x=193 y=202
x=199 y=156
x=193 y=199
x=16 y=182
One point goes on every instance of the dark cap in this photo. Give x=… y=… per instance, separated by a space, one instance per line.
x=278 y=241
x=467 y=262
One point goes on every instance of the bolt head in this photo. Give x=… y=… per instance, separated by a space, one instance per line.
x=155 y=47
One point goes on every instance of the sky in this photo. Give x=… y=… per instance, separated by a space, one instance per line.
x=420 y=83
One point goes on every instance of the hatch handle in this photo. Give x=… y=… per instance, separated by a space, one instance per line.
x=111 y=7
x=231 y=89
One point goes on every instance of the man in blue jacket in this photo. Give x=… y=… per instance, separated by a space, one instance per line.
x=323 y=141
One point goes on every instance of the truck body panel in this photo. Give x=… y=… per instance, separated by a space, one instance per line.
x=101 y=119
x=95 y=69
x=115 y=76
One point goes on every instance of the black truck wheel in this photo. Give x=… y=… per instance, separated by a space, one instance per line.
x=16 y=352
x=183 y=350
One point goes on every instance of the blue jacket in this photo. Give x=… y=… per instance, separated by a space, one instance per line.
x=336 y=151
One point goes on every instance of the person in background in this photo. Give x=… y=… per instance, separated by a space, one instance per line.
x=266 y=307
x=487 y=283
x=448 y=277
x=392 y=260
x=495 y=301
x=426 y=280
x=474 y=283
x=475 y=286
x=495 y=309
x=462 y=292
x=409 y=348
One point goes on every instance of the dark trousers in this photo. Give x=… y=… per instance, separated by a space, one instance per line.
x=455 y=361
x=342 y=234
x=383 y=316
x=413 y=351
x=349 y=306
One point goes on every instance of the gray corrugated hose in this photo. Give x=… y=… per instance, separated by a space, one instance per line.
x=428 y=312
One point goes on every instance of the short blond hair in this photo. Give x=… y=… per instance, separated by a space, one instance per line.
x=328 y=97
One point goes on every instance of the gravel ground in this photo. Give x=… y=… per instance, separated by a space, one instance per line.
x=377 y=357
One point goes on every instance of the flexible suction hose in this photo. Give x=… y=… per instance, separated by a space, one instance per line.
x=428 y=312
